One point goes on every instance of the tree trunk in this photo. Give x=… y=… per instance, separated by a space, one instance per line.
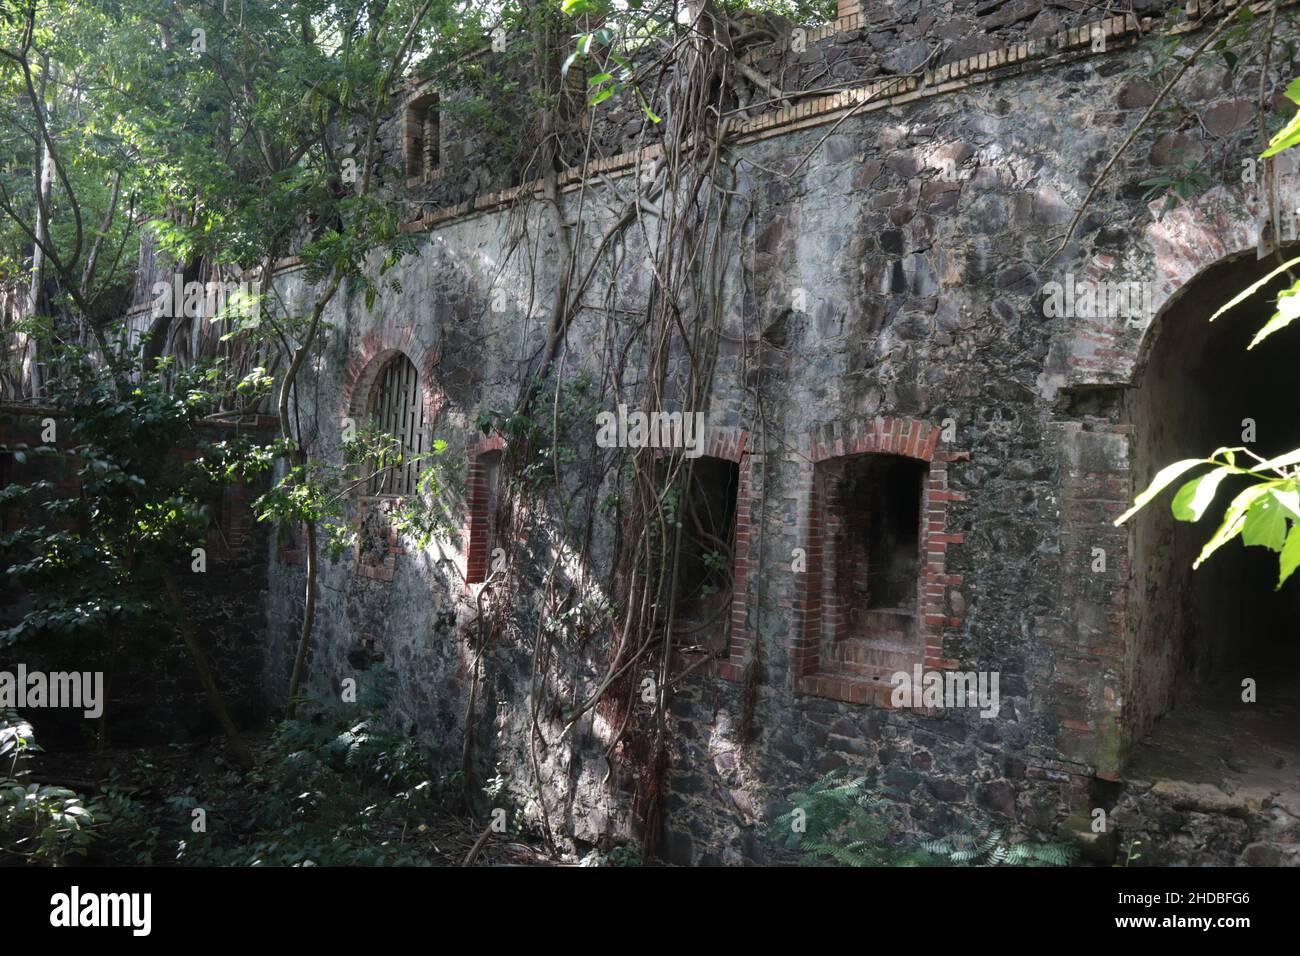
x=308 y=620
x=30 y=376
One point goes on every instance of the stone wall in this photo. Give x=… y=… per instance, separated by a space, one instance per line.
x=886 y=295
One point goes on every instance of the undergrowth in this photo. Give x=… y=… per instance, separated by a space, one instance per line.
x=841 y=821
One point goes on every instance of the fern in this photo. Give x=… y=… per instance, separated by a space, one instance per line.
x=986 y=845
x=840 y=821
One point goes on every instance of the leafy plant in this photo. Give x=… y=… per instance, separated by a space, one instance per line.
x=840 y=821
x=1131 y=852
x=44 y=824
x=1179 y=185
x=987 y=845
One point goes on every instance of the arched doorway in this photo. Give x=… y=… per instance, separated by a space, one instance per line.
x=1194 y=636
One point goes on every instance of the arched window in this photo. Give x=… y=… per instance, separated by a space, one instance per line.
x=397 y=408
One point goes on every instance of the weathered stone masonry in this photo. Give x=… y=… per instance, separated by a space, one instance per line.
x=922 y=305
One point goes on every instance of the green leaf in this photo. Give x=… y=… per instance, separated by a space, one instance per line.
x=1287 y=137
x=1290 y=558
x=1195 y=497
x=1233 y=519
x=1254 y=287
x=1265 y=523
x=1289 y=498
x=1288 y=310
x=1163 y=479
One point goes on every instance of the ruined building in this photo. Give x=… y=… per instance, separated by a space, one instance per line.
x=920 y=429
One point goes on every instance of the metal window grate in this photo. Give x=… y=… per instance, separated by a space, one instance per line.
x=398 y=409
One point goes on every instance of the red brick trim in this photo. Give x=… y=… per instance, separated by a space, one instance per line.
x=732 y=444
x=372 y=354
x=477 y=519
x=910 y=438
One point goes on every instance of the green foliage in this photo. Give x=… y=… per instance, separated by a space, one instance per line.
x=840 y=821
x=1265 y=514
x=1178 y=185
x=1131 y=851
x=90 y=556
x=1289 y=135
x=986 y=845
x=552 y=439
x=618 y=856
x=42 y=824
x=333 y=787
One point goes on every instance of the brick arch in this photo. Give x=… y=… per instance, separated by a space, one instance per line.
x=375 y=351
x=853 y=438
x=1221 y=225
x=1171 y=302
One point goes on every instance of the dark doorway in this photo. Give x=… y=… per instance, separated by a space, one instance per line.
x=1195 y=636
x=706 y=557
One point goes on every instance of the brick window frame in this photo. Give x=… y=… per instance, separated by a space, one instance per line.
x=395 y=405
x=480 y=532
x=421 y=135
x=733 y=445
x=847 y=439
x=370 y=358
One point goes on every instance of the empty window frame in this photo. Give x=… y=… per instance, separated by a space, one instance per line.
x=422 y=136
x=706 y=556
x=872 y=568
